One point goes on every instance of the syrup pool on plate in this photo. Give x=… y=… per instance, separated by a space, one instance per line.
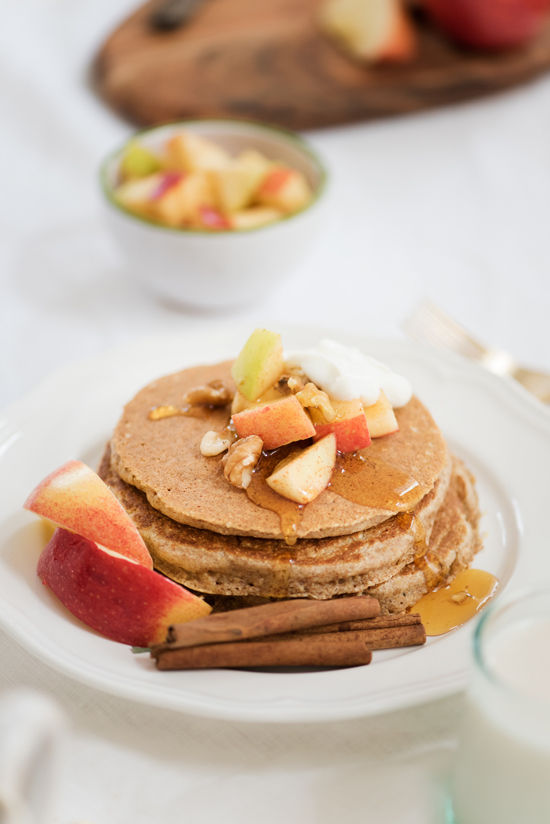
x=502 y=768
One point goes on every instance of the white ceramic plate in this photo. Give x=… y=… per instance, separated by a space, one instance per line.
x=502 y=433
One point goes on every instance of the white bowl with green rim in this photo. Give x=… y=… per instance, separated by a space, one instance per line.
x=218 y=269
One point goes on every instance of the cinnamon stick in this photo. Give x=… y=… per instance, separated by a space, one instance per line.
x=333 y=650
x=401 y=619
x=270 y=619
x=375 y=638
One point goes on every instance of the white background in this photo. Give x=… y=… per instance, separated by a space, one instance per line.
x=450 y=205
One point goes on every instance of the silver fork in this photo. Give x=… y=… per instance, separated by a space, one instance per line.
x=431 y=325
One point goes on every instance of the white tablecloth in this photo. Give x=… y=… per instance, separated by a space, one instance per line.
x=450 y=205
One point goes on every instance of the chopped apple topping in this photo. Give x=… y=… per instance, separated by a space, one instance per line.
x=304 y=475
x=240 y=460
x=259 y=363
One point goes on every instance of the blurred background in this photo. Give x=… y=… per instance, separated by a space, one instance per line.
x=448 y=202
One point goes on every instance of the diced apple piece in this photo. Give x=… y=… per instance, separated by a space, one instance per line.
x=303 y=476
x=255 y=217
x=139 y=195
x=370 y=30
x=381 y=418
x=75 y=498
x=191 y=153
x=210 y=218
x=121 y=600
x=138 y=161
x=285 y=189
x=277 y=423
x=272 y=394
x=235 y=184
x=180 y=202
x=259 y=363
x=349 y=426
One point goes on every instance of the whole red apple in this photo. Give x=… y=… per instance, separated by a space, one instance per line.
x=489 y=24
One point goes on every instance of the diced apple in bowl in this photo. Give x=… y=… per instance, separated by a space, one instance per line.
x=285 y=189
x=138 y=161
x=190 y=152
x=192 y=182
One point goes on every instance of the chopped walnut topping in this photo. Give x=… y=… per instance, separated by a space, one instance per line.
x=312 y=396
x=214 y=393
x=241 y=459
x=295 y=383
x=214 y=443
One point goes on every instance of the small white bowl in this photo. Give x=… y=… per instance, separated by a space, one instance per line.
x=217 y=269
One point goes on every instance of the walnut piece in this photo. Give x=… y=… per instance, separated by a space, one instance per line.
x=214 y=443
x=295 y=383
x=312 y=396
x=214 y=393
x=240 y=460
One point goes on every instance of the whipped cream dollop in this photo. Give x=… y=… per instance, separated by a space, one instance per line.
x=346 y=373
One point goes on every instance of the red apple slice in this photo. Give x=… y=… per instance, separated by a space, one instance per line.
x=121 y=600
x=349 y=426
x=75 y=498
x=276 y=423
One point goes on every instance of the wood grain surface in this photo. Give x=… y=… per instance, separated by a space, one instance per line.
x=269 y=62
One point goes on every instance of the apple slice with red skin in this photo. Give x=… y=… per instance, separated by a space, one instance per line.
x=120 y=599
x=75 y=497
x=276 y=423
x=349 y=426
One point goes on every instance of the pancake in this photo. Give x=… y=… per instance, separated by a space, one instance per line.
x=397 y=560
x=162 y=459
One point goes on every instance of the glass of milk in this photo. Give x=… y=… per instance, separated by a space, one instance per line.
x=502 y=768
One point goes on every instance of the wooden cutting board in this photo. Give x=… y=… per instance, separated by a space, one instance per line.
x=267 y=60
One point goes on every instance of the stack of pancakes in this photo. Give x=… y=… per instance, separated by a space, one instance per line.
x=210 y=537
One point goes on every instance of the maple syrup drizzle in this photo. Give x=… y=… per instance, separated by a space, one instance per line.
x=451 y=606
x=289 y=512
x=369 y=481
